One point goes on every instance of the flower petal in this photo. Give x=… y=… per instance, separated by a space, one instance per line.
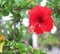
x=46 y=11
x=47 y=25
x=38 y=29
x=35 y=11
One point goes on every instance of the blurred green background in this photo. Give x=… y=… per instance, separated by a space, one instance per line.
x=17 y=38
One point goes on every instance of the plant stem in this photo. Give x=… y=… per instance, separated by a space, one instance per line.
x=35 y=41
x=14 y=28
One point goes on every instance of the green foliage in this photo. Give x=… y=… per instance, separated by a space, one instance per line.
x=51 y=39
x=14 y=40
x=55 y=6
x=38 y=1
x=13 y=47
x=38 y=52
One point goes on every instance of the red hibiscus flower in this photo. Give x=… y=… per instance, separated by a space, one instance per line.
x=40 y=20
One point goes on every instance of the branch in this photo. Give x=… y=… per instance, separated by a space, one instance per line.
x=21 y=8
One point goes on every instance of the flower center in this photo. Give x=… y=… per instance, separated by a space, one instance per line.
x=40 y=19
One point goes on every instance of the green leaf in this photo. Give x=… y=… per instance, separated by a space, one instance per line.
x=31 y=4
x=23 y=13
x=38 y=1
x=36 y=51
x=5 y=13
x=29 y=48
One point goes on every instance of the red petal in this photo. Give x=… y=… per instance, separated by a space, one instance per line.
x=35 y=12
x=38 y=29
x=47 y=25
x=46 y=11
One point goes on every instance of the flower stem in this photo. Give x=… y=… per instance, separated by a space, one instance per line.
x=35 y=41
